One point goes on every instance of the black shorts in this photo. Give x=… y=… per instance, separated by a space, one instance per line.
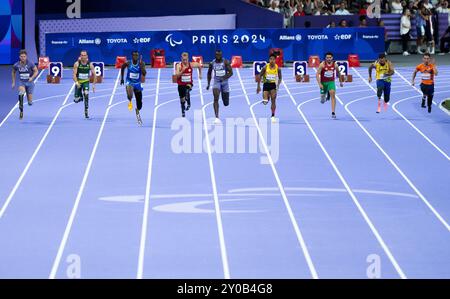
x=428 y=34
x=269 y=86
x=182 y=90
x=427 y=90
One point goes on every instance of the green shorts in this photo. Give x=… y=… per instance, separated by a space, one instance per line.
x=79 y=91
x=327 y=86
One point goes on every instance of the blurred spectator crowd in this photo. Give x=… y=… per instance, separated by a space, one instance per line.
x=424 y=12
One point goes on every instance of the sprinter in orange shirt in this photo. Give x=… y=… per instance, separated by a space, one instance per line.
x=428 y=71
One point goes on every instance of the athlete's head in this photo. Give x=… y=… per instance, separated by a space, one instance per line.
x=382 y=58
x=135 y=56
x=185 y=57
x=219 y=55
x=272 y=59
x=23 y=56
x=329 y=57
x=426 y=58
x=83 y=55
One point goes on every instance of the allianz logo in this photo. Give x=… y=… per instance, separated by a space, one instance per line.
x=84 y=41
x=297 y=37
x=318 y=37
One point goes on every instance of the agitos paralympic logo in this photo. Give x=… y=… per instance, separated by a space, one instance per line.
x=172 y=41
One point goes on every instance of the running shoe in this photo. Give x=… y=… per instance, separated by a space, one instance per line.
x=138 y=116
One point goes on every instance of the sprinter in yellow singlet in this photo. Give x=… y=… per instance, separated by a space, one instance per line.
x=271 y=77
x=384 y=70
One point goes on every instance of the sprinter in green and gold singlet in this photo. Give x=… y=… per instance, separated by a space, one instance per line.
x=271 y=77
x=82 y=70
x=384 y=71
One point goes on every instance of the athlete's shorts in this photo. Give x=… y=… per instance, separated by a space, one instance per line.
x=136 y=86
x=84 y=87
x=383 y=86
x=269 y=86
x=221 y=85
x=29 y=86
x=427 y=89
x=182 y=90
x=428 y=34
x=327 y=86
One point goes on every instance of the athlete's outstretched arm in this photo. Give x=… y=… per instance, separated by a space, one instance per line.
x=35 y=74
x=74 y=77
x=261 y=74
x=143 y=70
x=94 y=75
x=280 y=78
x=209 y=76
x=371 y=67
x=391 y=70
x=229 y=70
x=13 y=76
x=319 y=71
x=179 y=70
x=122 y=72
x=435 y=71
x=414 y=77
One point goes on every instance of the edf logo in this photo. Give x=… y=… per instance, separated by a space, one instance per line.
x=74 y=9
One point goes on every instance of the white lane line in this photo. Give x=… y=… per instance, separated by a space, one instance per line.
x=63 y=243
x=408 y=181
x=36 y=151
x=347 y=187
x=17 y=104
x=409 y=122
x=295 y=225
x=218 y=213
x=141 y=257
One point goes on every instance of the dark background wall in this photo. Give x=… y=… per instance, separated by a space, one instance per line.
x=247 y=15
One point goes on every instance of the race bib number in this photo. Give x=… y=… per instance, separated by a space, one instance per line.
x=134 y=76
x=329 y=74
x=220 y=73
x=271 y=77
x=83 y=76
x=426 y=76
x=186 y=78
x=25 y=76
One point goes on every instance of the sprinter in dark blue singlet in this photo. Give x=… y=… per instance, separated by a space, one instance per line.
x=222 y=72
x=135 y=74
